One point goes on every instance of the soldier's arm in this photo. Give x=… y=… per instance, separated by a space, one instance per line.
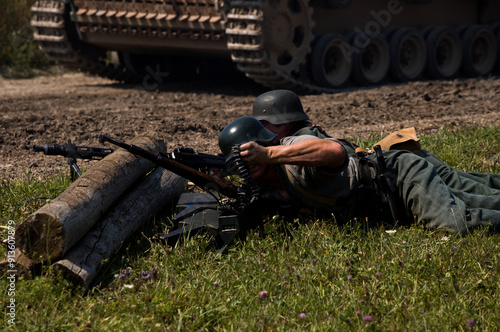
x=312 y=152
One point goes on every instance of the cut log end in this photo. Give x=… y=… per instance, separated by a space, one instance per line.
x=18 y=265
x=41 y=237
x=74 y=273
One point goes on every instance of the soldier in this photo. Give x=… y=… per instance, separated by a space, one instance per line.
x=281 y=112
x=319 y=173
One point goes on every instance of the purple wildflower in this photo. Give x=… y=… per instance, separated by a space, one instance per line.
x=471 y=322
x=455 y=267
x=263 y=294
x=347 y=320
x=146 y=277
x=358 y=313
x=302 y=315
x=216 y=283
x=367 y=319
x=433 y=130
x=349 y=277
x=378 y=274
x=121 y=276
x=126 y=271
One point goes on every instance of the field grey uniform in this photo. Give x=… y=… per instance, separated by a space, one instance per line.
x=423 y=192
x=471 y=182
x=478 y=189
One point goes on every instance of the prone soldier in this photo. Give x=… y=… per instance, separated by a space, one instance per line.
x=282 y=113
x=322 y=174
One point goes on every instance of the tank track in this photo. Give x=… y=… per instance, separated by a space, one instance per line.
x=52 y=31
x=246 y=40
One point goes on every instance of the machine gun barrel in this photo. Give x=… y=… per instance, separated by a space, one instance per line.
x=201 y=179
x=73 y=151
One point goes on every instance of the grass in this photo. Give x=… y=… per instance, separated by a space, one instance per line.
x=307 y=275
x=19 y=53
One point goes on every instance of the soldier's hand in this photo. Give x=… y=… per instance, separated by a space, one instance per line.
x=254 y=154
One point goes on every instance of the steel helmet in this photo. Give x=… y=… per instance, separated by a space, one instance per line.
x=278 y=107
x=243 y=130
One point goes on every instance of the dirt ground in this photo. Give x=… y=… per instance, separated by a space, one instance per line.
x=76 y=107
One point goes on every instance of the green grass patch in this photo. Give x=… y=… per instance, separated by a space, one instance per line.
x=19 y=52
x=306 y=275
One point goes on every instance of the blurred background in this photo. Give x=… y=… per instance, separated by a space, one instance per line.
x=19 y=53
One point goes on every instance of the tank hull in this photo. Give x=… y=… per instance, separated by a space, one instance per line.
x=320 y=45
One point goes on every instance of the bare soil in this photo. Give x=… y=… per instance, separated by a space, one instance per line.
x=76 y=107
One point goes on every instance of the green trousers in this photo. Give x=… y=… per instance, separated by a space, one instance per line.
x=471 y=182
x=435 y=204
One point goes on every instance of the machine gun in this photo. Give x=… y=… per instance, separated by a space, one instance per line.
x=186 y=156
x=72 y=153
x=205 y=211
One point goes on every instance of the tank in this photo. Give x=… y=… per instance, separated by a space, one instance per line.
x=316 y=45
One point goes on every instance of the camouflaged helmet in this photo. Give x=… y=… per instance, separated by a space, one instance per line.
x=243 y=130
x=278 y=107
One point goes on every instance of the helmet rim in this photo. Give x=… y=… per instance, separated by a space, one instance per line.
x=243 y=130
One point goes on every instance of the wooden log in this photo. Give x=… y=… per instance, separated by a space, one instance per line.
x=50 y=232
x=16 y=264
x=159 y=189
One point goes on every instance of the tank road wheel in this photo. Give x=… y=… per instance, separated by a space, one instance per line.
x=331 y=62
x=287 y=34
x=408 y=55
x=479 y=51
x=370 y=60
x=444 y=53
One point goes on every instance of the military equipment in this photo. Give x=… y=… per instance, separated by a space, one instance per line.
x=73 y=152
x=242 y=130
x=226 y=220
x=278 y=107
x=317 y=45
x=186 y=156
x=377 y=183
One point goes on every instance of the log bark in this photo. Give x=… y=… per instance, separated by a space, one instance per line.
x=157 y=191
x=50 y=232
x=18 y=265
